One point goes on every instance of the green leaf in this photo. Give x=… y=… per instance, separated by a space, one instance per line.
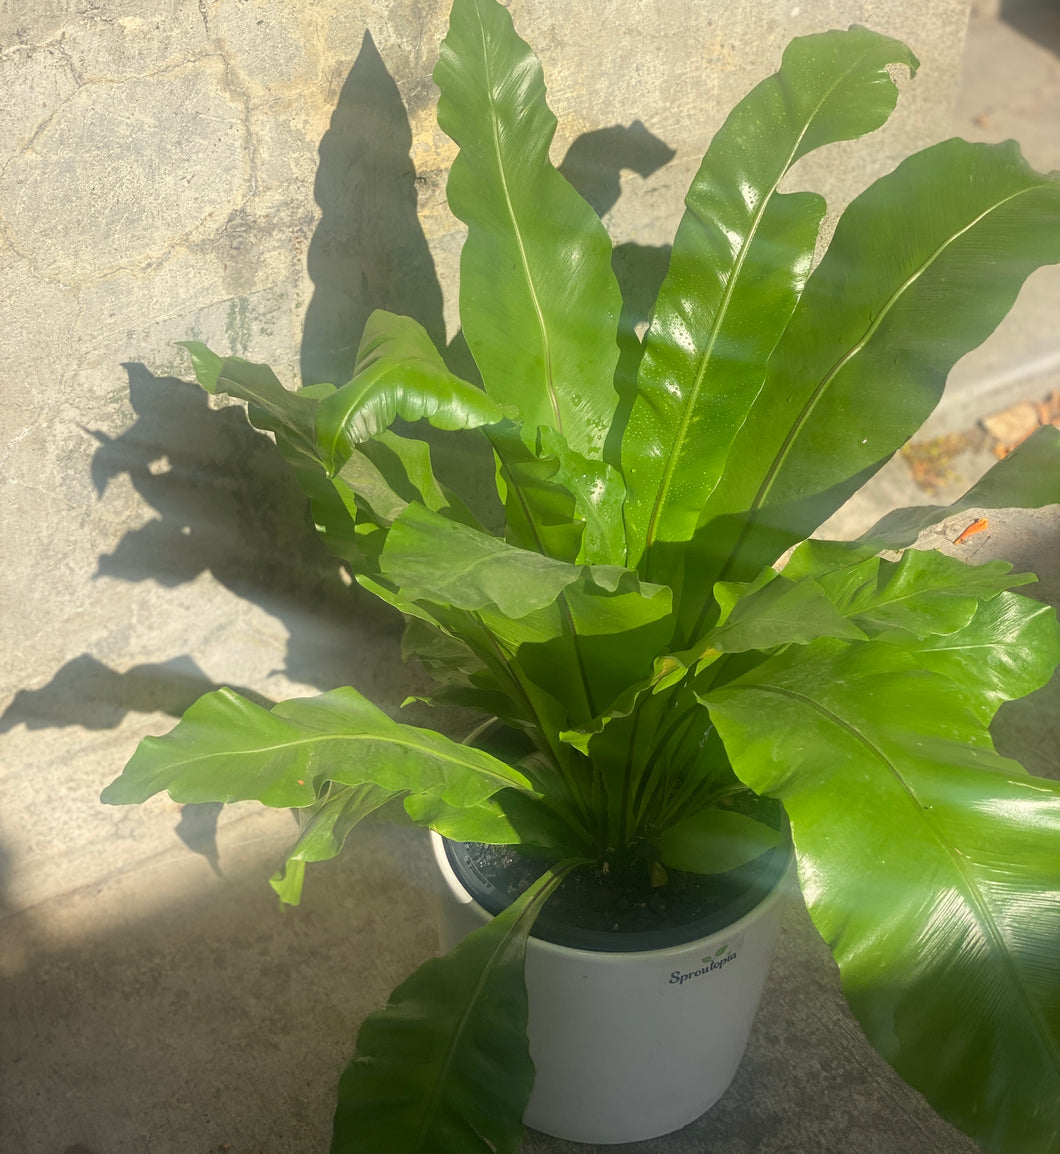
x=1008 y=649
x=507 y=818
x=923 y=593
x=206 y=364
x=554 y=632
x=592 y=644
x=558 y=502
x=325 y=826
x=365 y=491
x=398 y=373
x=259 y=385
x=539 y=302
x=432 y=559
x=777 y=612
x=446 y=658
x=667 y=669
x=445 y=1067
x=714 y=841
x=394 y=599
x=598 y=492
x=376 y=484
x=226 y=748
x=922 y=267
x=742 y=250
x=1028 y=478
x=486 y=822
x=539 y=509
x=929 y=865
x=407 y=464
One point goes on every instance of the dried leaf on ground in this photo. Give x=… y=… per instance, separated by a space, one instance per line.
x=1012 y=426
x=931 y=462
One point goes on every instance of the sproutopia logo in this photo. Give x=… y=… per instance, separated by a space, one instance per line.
x=711 y=964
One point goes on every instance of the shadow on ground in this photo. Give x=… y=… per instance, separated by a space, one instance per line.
x=1038 y=20
x=224 y=1024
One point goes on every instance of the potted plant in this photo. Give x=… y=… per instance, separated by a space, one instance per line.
x=661 y=683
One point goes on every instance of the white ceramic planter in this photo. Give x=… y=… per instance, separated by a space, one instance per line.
x=629 y=1046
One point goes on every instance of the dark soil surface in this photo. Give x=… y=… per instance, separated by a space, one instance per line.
x=596 y=907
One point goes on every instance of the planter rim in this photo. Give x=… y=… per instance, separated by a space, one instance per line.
x=777 y=892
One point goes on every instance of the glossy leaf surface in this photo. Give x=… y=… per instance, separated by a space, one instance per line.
x=539 y=509
x=922 y=267
x=740 y=259
x=929 y=865
x=446 y=1066
x=538 y=299
x=598 y=492
x=582 y=634
x=432 y=559
x=590 y=646
x=558 y=502
x=777 y=612
x=1007 y=650
x=922 y=594
x=398 y=373
x=226 y=748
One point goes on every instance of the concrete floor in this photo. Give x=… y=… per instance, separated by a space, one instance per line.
x=156 y=1002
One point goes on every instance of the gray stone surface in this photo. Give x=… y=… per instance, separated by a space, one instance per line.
x=260 y=175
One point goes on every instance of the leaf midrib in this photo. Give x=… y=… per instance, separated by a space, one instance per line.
x=807 y=410
x=550 y=386
x=726 y=300
x=399 y=740
x=528 y=913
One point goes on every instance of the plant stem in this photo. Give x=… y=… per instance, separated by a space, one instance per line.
x=653 y=773
x=560 y=754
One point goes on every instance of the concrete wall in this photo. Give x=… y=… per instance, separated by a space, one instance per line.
x=260 y=174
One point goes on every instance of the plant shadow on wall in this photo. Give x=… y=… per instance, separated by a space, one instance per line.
x=369 y=251
x=225 y=508
x=225 y=503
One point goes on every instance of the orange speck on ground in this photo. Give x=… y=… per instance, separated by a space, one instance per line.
x=973 y=528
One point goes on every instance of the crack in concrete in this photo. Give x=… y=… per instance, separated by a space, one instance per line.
x=204 y=13
x=75 y=71
x=42 y=125
x=181 y=243
x=239 y=94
